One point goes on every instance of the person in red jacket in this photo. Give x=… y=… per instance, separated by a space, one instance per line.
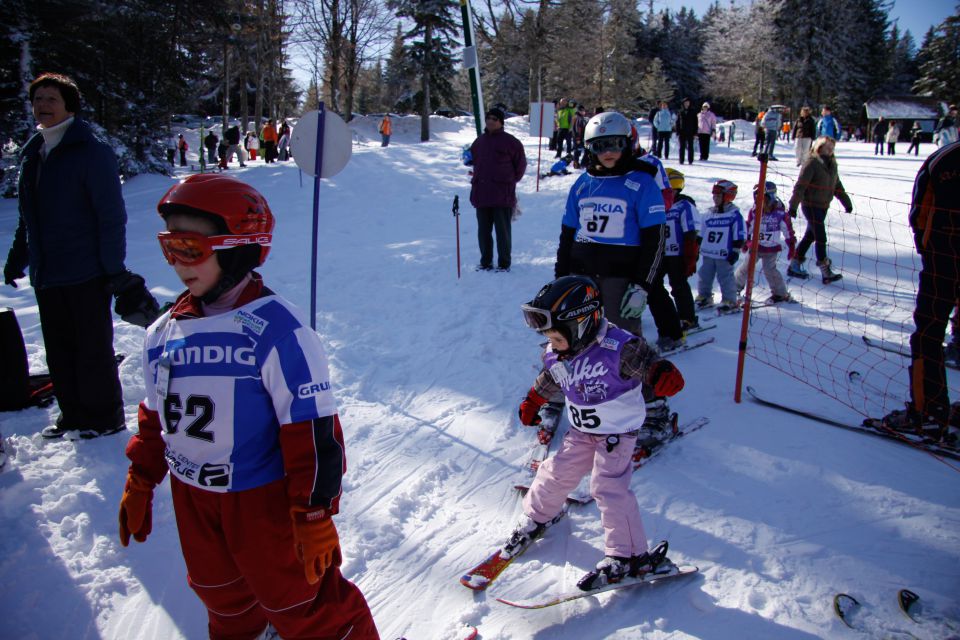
x=239 y=409
x=498 y=165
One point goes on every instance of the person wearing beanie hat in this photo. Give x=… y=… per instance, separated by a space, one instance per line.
x=496 y=114
x=498 y=165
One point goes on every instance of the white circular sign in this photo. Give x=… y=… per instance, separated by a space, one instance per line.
x=337 y=143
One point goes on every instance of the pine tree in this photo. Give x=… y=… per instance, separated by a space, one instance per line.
x=939 y=61
x=435 y=23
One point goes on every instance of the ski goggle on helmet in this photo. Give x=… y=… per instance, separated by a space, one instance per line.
x=191 y=248
x=727 y=188
x=607 y=131
x=570 y=305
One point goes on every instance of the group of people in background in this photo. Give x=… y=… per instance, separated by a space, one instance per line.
x=220 y=152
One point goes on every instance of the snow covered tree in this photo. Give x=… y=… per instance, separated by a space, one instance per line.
x=435 y=24
x=939 y=61
x=504 y=67
x=623 y=88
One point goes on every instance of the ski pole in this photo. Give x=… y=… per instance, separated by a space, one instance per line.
x=758 y=207
x=456 y=216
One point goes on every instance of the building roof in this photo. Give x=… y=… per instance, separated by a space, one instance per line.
x=904 y=108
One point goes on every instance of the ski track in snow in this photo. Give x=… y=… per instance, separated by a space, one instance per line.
x=779 y=513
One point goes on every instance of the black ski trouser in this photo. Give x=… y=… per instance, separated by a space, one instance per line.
x=494 y=221
x=816 y=233
x=77 y=332
x=663 y=145
x=937 y=295
x=704 y=139
x=686 y=145
x=680 y=288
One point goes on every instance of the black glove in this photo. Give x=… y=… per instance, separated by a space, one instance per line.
x=135 y=304
x=733 y=257
x=11 y=273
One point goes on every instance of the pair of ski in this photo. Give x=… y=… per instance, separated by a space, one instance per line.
x=481 y=576
x=854 y=615
x=903 y=351
x=870 y=427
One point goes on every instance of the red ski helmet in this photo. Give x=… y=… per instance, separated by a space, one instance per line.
x=727 y=188
x=236 y=207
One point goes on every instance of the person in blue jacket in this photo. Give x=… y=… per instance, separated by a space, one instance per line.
x=72 y=236
x=828 y=124
x=613 y=230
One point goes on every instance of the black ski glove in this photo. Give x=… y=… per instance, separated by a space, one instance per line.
x=135 y=304
x=11 y=273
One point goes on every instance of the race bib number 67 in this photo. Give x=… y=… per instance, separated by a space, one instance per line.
x=602 y=217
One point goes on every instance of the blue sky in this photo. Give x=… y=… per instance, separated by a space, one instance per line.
x=915 y=15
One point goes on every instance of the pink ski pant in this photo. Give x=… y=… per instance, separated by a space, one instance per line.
x=610 y=474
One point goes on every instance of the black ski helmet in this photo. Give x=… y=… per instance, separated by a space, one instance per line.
x=571 y=305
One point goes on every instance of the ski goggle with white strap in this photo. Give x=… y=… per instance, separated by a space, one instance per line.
x=608 y=143
x=191 y=248
x=536 y=319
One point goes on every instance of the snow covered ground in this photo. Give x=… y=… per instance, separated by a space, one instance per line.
x=778 y=512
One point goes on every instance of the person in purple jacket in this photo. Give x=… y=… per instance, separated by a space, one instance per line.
x=498 y=165
x=599 y=370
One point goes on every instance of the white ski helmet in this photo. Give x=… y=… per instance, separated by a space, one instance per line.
x=605 y=125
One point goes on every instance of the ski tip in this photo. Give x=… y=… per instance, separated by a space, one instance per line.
x=474 y=582
x=845 y=605
x=909 y=603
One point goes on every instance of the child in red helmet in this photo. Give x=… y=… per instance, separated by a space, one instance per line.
x=239 y=409
x=722 y=233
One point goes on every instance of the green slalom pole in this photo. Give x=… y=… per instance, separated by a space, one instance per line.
x=472 y=62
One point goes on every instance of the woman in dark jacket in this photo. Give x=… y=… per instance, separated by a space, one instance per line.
x=817 y=184
x=72 y=235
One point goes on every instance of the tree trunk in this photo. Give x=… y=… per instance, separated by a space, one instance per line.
x=425 y=85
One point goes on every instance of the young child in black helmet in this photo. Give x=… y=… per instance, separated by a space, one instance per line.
x=239 y=409
x=599 y=369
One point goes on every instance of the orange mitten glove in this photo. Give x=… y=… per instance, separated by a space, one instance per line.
x=136 y=508
x=316 y=541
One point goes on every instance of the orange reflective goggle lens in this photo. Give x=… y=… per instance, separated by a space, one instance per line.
x=190 y=248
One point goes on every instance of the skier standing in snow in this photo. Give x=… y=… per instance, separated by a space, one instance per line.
x=71 y=235
x=499 y=163
x=774 y=226
x=682 y=249
x=600 y=370
x=817 y=185
x=613 y=230
x=239 y=408
x=722 y=233
x=935 y=221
